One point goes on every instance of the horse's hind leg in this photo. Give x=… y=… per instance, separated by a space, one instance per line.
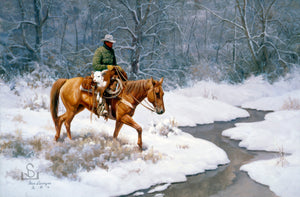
x=68 y=123
x=70 y=116
x=60 y=120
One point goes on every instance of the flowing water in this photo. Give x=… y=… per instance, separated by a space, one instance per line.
x=226 y=180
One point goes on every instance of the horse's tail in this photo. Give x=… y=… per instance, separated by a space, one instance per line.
x=54 y=95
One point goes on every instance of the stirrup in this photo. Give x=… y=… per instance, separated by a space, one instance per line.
x=104 y=113
x=101 y=111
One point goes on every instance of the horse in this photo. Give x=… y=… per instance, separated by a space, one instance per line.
x=122 y=108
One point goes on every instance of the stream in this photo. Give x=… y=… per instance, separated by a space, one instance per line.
x=227 y=180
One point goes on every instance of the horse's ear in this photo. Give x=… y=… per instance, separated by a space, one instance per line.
x=161 y=80
x=92 y=75
x=152 y=81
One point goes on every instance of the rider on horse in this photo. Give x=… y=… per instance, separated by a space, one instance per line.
x=105 y=59
x=76 y=95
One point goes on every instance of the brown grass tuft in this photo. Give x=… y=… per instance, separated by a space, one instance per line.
x=282 y=159
x=291 y=104
x=18 y=118
x=14 y=174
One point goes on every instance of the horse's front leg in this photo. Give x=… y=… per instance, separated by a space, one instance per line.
x=126 y=119
x=117 y=128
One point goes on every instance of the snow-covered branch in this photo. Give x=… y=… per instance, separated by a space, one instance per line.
x=132 y=11
x=220 y=17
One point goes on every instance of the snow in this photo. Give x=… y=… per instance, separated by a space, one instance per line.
x=159 y=188
x=253 y=89
x=283 y=180
x=279 y=129
x=279 y=132
x=273 y=103
x=170 y=153
x=190 y=110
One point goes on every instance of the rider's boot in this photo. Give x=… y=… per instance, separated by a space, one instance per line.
x=102 y=109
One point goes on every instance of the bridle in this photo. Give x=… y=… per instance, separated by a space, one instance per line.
x=149 y=107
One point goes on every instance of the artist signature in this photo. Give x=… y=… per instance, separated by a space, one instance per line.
x=39 y=185
x=33 y=177
x=31 y=174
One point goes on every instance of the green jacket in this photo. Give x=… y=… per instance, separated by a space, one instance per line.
x=103 y=56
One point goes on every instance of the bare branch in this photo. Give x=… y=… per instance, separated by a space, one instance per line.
x=132 y=11
x=220 y=17
x=46 y=17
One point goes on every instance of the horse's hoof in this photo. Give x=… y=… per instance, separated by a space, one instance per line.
x=141 y=148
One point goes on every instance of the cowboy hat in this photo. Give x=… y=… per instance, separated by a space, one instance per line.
x=108 y=38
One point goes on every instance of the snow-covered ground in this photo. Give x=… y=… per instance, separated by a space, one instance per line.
x=279 y=132
x=170 y=154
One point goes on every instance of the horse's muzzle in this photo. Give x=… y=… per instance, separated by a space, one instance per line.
x=160 y=110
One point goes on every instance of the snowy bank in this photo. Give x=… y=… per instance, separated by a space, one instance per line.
x=279 y=129
x=191 y=110
x=251 y=90
x=279 y=132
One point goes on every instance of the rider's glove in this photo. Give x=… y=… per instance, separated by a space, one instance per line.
x=119 y=68
x=110 y=67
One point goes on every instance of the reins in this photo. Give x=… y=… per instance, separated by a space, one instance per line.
x=149 y=107
x=93 y=105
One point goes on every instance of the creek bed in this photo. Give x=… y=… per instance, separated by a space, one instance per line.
x=226 y=180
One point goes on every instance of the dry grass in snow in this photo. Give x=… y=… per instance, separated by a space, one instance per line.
x=291 y=104
x=86 y=152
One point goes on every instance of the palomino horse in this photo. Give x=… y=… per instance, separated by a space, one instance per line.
x=122 y=107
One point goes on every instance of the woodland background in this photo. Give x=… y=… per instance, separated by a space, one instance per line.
x=180 y=40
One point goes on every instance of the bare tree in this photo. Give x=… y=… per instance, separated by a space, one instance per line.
x=222 y=39
x=40 y=17
x=265 y=47
x=140 y=29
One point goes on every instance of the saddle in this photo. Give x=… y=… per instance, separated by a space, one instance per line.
x=102 y=86
x=88 y=84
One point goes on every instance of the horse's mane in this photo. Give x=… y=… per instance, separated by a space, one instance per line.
x=138 y=86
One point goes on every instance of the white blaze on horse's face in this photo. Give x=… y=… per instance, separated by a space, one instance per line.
x=99 y=79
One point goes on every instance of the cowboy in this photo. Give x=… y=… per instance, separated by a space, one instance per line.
x=105 y=59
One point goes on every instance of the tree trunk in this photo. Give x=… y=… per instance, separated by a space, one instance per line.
x=76 y=37
x=242 y=12
x=38 y=30
x=205 y=31
x=63 y=34
x=137 y=41
x=220 y=40
x=234 y=43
